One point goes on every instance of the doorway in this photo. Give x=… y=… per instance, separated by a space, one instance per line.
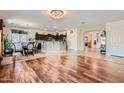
x=95 y=41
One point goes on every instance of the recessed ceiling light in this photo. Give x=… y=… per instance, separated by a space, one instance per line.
x=83 y=22
x=11 y=23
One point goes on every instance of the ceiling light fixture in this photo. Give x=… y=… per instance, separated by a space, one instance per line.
x=57 y=14
x=83 y=22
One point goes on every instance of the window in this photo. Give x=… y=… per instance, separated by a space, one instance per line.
x=15 y=38
x=19 y=36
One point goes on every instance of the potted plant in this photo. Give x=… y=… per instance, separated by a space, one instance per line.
x=7 y=47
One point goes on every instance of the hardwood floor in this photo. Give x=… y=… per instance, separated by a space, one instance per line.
x=64 y=69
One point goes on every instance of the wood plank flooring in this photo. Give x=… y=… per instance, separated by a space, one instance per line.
x=63 y=69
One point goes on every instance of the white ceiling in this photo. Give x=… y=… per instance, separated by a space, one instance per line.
x=41 y=20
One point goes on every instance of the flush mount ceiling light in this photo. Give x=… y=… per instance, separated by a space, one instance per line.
x=83 y=22
x=57 y=14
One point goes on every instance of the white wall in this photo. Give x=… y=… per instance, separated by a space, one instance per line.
x=80 y=38
x=72 y=39
x=75 y=39
x=115 y=38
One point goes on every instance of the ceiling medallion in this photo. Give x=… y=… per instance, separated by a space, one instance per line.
x=57 y=14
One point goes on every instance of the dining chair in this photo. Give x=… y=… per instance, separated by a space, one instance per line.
x=30 y=49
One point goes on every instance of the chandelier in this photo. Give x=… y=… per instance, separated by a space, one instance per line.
x=57 y=14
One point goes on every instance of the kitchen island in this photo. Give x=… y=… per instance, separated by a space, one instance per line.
x=53 y=46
